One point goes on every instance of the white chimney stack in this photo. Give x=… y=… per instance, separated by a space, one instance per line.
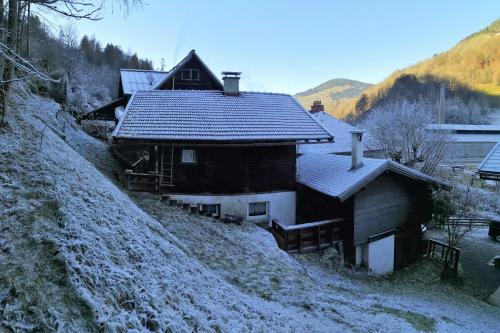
x=357 y=149
x=231 y=83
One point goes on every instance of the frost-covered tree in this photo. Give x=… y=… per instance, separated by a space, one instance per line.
x=15 y=64
x=401 y=129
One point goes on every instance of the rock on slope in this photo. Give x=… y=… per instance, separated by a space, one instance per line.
x=77 y=254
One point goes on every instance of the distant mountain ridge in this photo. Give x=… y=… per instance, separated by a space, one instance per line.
x=332 y=91
x=470 y=71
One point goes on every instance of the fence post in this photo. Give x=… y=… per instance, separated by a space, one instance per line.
x=457 y=258
x=318 y=237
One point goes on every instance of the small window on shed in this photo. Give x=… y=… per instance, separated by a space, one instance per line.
x=189 y=156
x=257 y=209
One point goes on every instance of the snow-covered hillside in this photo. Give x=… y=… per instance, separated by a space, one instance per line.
x=77 y=253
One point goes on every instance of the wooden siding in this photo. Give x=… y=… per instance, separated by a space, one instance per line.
x=315 y=206
x=389 y=202
x=229 y=170
x=206 y=81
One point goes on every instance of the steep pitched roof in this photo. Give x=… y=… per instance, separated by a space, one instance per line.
x=490 y=167
x=192 y=54
x=207 y=115
x=135 y=79
x=332 y=174
x=342 y=133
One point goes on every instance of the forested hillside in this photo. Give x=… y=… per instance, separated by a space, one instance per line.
x=331 y=92
x=79 y=73
x=470 y=72
x=88 y=72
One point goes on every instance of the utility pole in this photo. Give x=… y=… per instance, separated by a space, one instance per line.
x=441 y=117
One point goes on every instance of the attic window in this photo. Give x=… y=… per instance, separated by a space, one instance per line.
x=191 y=75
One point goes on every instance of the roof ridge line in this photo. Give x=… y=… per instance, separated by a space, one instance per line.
x=143 y=70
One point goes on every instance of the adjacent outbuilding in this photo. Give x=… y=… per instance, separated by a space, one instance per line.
x=384 y=203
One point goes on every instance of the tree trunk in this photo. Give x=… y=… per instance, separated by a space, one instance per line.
x=2 y=34
x=9 y=67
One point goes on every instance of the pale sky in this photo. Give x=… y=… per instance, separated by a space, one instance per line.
x=291 y=46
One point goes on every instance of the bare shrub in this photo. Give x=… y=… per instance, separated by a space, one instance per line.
x=401 y=131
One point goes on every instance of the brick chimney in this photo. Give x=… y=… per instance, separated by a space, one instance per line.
x=231 y=83
x=357 y=149
x=317 y=107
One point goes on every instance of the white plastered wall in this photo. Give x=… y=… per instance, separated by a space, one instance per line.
x=281 y=205
x=379 y=255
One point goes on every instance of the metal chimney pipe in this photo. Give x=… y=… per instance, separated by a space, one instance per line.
x=231 y=83
x=357 y=149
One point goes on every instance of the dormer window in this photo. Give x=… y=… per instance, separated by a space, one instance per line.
x=191 y=74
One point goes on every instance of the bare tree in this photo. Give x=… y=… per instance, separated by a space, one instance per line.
x=402 y=132
x=13 y=64
x=457 y=202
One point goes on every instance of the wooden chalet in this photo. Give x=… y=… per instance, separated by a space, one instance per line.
x=189 y=74
x=383 y=204
x=231 y=152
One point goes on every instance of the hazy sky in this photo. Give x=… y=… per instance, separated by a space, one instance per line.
x=290 y=46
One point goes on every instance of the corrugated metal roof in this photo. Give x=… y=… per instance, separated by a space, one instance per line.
x=491 y=164
x=332 y=174
x=478 y=138
x=201 y=115
x=135 y=79
x=464 y=127
x=342 y=134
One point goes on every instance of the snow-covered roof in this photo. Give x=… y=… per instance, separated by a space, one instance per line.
x=491 y=163
x=332 y=175
x=209 y=115
x=192 y=54
x=462 y=128
x=136 y=79
x=342 y=134
x=477 y=138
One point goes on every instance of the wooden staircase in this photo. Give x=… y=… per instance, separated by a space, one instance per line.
x=194 y=208
x=167 y=166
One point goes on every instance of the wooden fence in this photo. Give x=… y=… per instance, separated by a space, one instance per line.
x=435 y=249
x=308 y=236
x=469 y=222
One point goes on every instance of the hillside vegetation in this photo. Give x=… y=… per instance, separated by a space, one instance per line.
x=333 y=93
x=78 y=254
x=470 y=70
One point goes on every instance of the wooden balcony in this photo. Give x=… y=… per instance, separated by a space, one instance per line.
x=307 y=237
x=141 y=181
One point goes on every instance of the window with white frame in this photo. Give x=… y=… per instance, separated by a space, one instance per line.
x=257 y=209
x=191 y=74
x=189 y=156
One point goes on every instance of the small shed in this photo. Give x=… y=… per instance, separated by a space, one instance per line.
x=489 y=169
x=385 y=203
